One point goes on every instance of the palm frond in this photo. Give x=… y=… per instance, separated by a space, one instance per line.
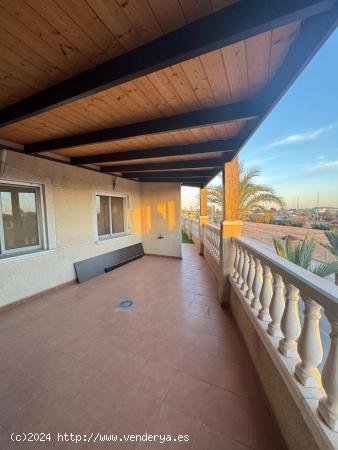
x=332 y=237
x=325 y=269
x=280 y=250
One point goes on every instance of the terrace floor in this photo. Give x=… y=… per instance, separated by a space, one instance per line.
x=174 y=363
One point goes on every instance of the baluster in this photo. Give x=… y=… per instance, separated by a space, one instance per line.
x=235 y=274
x=310 y=347
x=265 y=295
x=276 y=306
x=328 y=406
x=257 y=284
x=251 y=275
x=290 y=323
x=240 y=266
x=245 y=271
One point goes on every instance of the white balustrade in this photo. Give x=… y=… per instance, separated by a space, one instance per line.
x=257 y=284
x=328 y=406
x=276 y=306
x=211 y=240
x=290 y=323
x=273 y=286
x=310 y=347
x=195 y=229
x=240 y=266
x=265 y=295
x=235 y=273
x=245 y=272
x=250 y=278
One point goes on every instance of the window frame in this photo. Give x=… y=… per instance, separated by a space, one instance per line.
x=40 y=214
x=111 y=235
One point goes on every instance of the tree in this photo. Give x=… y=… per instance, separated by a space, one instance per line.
x=332 y=246
x=301 y=253
x=251 y=196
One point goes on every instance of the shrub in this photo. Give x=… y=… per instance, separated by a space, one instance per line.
x=296 y=223
x=320 y=226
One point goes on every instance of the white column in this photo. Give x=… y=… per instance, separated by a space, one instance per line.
x=257 y=284
x=250 y=279
x=290 y=323
x=265 y=295
x=328 y=406
x=310 y=347
x=276 y=306
x=245 y=271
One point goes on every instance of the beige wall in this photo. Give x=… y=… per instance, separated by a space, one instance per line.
x=72 y=224
x=161 y=215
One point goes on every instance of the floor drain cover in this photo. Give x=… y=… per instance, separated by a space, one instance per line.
x=126 y=304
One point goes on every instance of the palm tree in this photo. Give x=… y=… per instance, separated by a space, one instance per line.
x=251 y=196
x=302 y=255
x=332 y=246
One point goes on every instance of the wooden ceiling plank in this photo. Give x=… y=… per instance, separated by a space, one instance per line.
x=197 y=77
x=158 y=102
x=142 y=18
x=200 y=118
x=236 y=23
x=116 y=22
x=194 y=10
x=258 y=50
x=51 y=72
x=30 y=29
x=205 y=147
x=90 y=23
x=235 y=62
x=213 y=65
x=169 y=14
x=179 y=81
x=67 y=28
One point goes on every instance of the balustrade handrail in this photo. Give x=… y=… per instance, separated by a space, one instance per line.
x=212 y=227
x=324 y=293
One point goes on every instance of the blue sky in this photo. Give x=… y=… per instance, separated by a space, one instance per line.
x=296 y=147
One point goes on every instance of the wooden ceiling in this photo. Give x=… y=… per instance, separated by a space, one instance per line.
x=47 y=42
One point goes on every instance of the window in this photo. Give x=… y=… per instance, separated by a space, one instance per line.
x=20 y=219
x=110 y=212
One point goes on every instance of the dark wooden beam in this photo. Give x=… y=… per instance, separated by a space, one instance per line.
x=172 y=174
x=314 y=32
x=193 y=119
x=186 y=164
x=234 y=23
x=174 y=180
x=198 y=185
x=228 y=145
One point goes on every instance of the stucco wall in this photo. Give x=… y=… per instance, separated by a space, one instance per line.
x=161 y=215
x=71 y=195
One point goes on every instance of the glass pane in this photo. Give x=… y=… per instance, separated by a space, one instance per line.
x=117 y=214
x=19 y=216
x=102 y=211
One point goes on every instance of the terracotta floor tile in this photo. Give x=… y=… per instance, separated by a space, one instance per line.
x=154 y=379
x=187 y=394
x=227 y=413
